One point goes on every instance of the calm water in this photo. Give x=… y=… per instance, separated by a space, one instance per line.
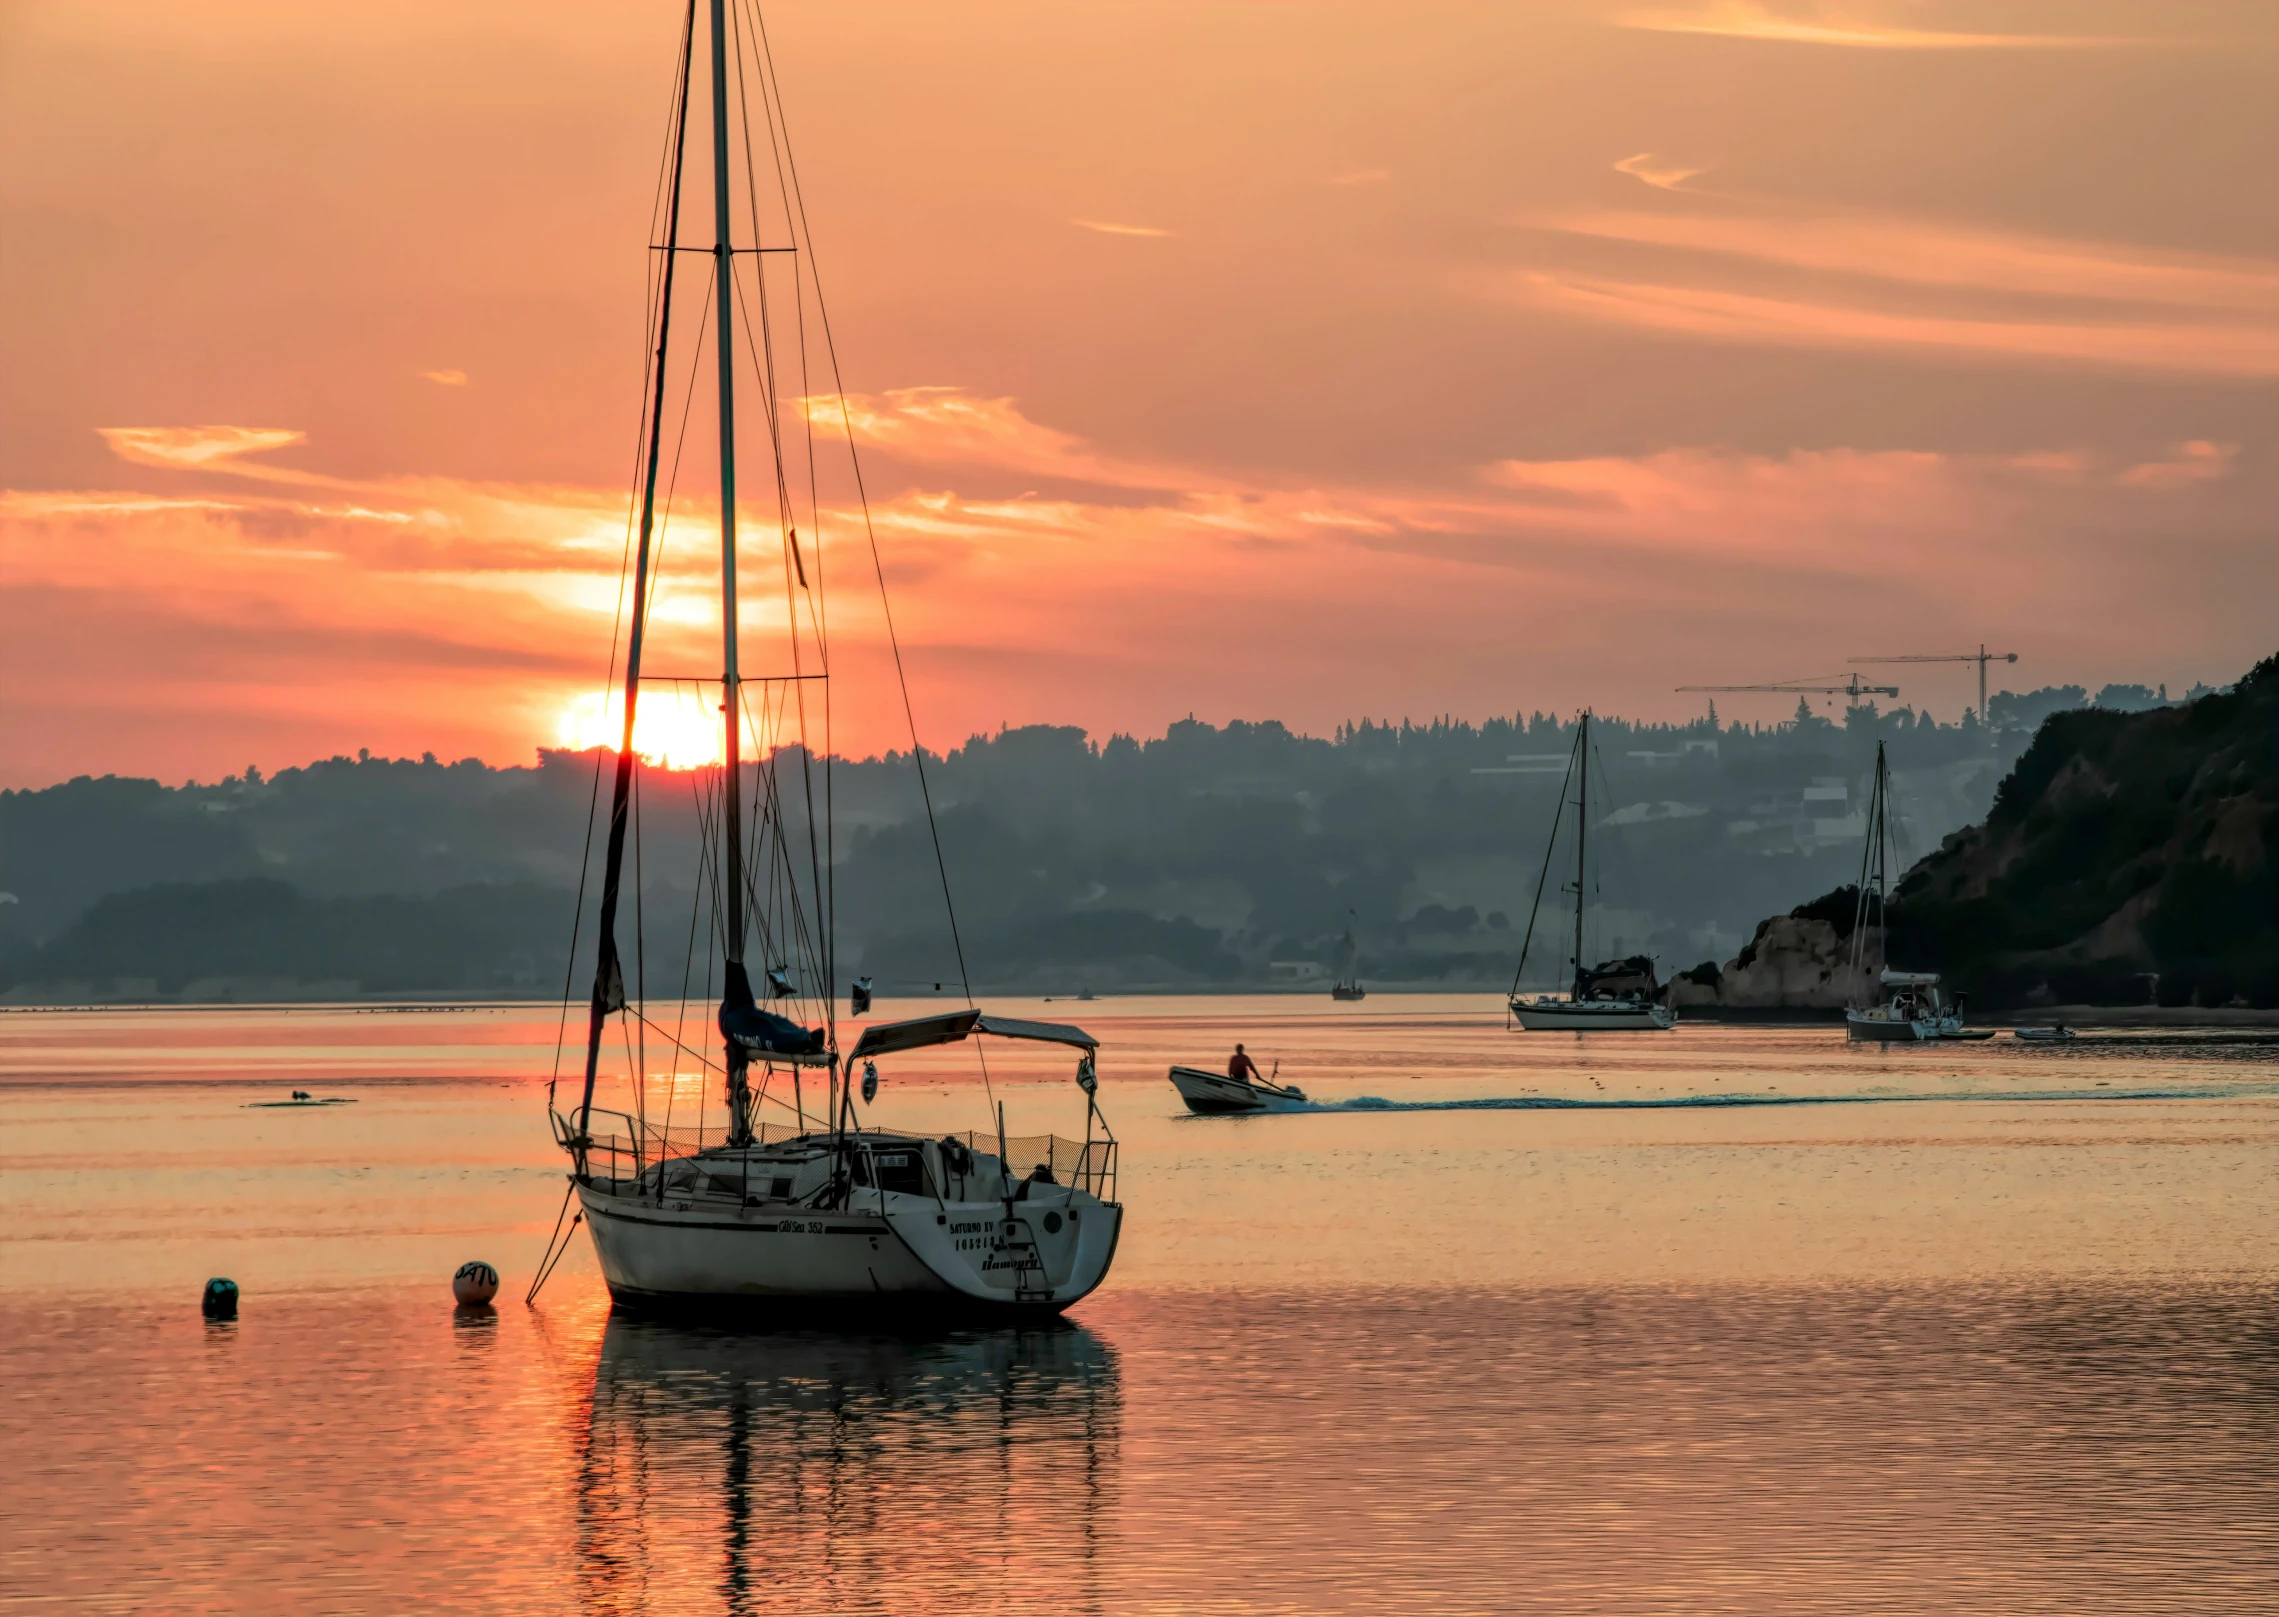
x=1513 y=1324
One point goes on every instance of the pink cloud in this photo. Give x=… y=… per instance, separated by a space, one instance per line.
x=471 y=617
x=1933 y=253
x=1728 y=316
x=1855 y=28
x=2196 y=462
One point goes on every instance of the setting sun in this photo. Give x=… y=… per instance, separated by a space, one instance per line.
x=674 y=727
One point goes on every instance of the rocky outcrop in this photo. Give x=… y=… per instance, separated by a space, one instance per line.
x=1798 y=961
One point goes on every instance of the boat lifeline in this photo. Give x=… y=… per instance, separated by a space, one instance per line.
x=1615 y=995
x=1908 y=1008
x=691 y=1200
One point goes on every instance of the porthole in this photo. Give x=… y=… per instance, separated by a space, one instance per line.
x=1052 y=1223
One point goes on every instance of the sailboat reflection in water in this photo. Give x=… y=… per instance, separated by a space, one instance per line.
x=821 y=1209
x=712 y=1461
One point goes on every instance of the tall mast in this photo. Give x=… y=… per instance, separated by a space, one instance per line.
x=609 y=974
x=1582 y=840
x=737 y=991
x=1870 y=901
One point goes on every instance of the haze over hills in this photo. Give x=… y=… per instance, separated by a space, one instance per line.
x=1211 y=856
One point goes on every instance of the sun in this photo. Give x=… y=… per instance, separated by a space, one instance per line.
x=675 y=727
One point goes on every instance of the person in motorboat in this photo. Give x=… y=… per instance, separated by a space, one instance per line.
x=1241 y=1068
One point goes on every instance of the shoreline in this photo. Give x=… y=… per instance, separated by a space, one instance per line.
x=2075 y=1016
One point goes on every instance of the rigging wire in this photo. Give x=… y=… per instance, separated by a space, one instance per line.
x=654 y=301
x=778 y=134
x=1550 y=844
x=797 y=200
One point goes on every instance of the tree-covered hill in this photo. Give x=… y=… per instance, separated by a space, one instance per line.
x=1211 y=855
x=2122 y=845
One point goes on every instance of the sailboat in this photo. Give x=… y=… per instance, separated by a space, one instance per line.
x=1909 y=1009
x=1615 y=995
x=822 y=1211
x=1348 y=981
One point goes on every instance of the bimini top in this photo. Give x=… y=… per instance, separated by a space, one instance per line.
x=886 y=1037
x=1909 y=979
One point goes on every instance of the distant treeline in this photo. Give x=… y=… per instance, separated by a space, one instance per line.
x=1210 y=855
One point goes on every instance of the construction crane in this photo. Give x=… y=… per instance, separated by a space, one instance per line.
x=1981 y=657
x=1851 y=689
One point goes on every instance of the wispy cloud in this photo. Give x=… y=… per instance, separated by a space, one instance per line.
x=1821 y=25
x=947 y=426
x=1107 y=229
x=446 y=378
x=1712 y=313
x=2198 y=461
x=1657 y=172
x=431 y=612
x=1760 y=273
x=1362 y=176
x=1928 y=252
x=196 y=449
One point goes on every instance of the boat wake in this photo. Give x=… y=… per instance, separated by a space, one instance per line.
x=1560 y=1103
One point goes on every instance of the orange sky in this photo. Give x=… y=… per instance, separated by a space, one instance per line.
x=1302 y=361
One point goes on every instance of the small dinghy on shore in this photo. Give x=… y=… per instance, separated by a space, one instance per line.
x=1214 y=1093
x=2043 y=1035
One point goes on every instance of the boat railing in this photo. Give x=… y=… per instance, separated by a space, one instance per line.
x=1088 y=1165
x=616 y=1148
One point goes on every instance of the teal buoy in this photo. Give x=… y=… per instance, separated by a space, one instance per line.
x=220 y=1301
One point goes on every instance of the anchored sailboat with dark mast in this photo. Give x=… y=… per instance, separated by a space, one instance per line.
x=823 y=1209
x=1898 y=1006
x=1615 y=995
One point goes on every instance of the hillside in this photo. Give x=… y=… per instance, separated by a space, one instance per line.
x=2127 y=857
x=2122 y=845
x=1209 y=856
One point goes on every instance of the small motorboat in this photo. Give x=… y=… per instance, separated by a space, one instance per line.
x=1215 y=1094
x=2043 y=1035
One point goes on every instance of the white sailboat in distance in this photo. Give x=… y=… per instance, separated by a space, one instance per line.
x=1615 y=996
x=821 y=1211
x=1908 y=1009
x=1347 y=984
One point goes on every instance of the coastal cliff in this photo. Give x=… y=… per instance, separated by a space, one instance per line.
x=2128 y=858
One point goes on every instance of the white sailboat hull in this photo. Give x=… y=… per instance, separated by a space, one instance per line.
x=892 y=1249
x=1592 y=1016
x=1877 y=1024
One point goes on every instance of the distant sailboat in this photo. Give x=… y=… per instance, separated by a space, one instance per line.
x=1348 y=982
x=1615 y=995
x=1909 y=1010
